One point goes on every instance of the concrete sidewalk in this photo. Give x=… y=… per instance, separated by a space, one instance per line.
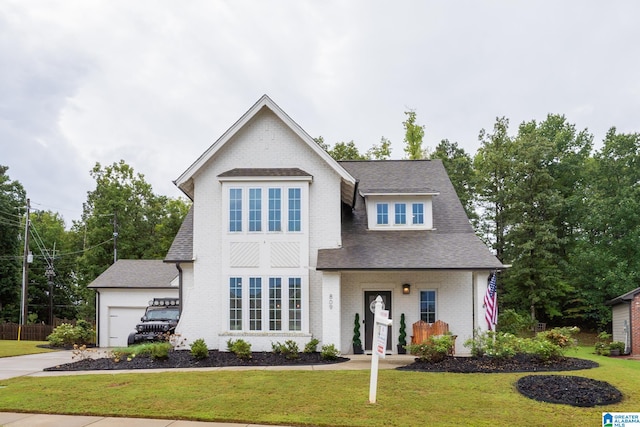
x=32 y=365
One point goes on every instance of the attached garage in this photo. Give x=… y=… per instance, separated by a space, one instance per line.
x=123 y=292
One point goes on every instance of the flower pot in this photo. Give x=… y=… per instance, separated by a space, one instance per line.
x=357 y=349
x=401 y=349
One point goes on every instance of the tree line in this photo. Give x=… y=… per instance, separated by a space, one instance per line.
x=563 y=215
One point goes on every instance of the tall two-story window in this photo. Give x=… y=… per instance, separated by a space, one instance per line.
x=401 y=213
x=235 y=209
x=255 y=303
x=235 y=304
x=255 y=209
x=418 y=213
x=275 y=212
x=428 y=306
x=294 y=209
x=382 y=213
x=295 y=304
x=275 y=304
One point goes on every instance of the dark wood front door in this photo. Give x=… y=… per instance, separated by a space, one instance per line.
x=369 y=298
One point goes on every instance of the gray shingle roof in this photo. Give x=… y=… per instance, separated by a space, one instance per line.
x=452 y=245
x=625 y=297
x=181 y=249
x=136 y=273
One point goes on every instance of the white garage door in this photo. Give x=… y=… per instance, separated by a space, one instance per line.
x=122 y=321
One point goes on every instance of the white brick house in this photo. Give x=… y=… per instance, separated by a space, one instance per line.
x=283 y=242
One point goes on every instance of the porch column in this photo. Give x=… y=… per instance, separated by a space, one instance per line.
x=331 y=309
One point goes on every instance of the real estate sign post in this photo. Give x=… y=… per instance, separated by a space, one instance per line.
x=382 y=323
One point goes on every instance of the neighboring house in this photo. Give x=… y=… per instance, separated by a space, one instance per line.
x=123 y=292
x=626 y=320
x=285 y=243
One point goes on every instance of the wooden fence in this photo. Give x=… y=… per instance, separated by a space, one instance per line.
x=35 y=332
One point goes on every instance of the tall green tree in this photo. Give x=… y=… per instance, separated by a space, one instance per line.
x=493 y=164
x=413 y=135
x=381 y=151
x=12 y=208
x=459 y=167
x=535 y=279
x=346 y=151
x=122 y=218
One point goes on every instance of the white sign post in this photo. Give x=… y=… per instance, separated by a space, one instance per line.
x=381 y=325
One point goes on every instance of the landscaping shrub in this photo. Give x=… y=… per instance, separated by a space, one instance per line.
x=66 y=335
x=493 y=344
x=240 y=348
x=311 y=346
x=329 y=352
x=562 y=337
x=160 y=350
x=434 y=349
x=289 y=349
x=199 y=349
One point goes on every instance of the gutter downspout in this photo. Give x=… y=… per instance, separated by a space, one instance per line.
x=179 y=288
x=98 y=318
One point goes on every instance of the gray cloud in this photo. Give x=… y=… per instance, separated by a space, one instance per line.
x=155 y=83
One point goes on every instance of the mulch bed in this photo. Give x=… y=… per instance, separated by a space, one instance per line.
x=518 y=363
x=569 y=390
x=184 y=359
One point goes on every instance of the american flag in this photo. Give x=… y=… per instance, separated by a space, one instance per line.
x=491 y=303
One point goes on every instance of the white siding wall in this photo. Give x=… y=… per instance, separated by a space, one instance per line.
x=265 y=142
x=620 y=315
x=454 y=294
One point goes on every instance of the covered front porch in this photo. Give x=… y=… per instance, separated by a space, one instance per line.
x=452 y=296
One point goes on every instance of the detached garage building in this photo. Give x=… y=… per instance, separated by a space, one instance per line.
x=123 y=292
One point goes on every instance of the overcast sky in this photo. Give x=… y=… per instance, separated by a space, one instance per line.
x=155 y=83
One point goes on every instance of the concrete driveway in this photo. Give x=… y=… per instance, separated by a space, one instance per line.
x=18 y=366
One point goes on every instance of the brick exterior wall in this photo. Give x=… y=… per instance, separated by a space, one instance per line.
x=635 y=325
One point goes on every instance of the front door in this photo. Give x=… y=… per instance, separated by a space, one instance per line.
x=369 y=299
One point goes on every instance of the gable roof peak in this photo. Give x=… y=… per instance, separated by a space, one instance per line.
x=185 y=181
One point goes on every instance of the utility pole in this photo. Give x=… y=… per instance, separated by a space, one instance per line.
x=25 y=273
x=115 y=237
x=50 y=273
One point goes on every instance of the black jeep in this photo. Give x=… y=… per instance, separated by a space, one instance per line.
x=159 y=321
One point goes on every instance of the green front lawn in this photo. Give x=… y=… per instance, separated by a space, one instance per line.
x=327 y=398
x=18 y=348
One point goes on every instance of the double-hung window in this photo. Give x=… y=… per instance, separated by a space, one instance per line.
x=382 y=210
x=418 y=213
x=401 y=213
x=428 y=306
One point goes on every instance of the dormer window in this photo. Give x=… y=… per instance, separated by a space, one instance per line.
x=399 y=211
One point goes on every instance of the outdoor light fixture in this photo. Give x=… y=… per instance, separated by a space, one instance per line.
x=406 y=289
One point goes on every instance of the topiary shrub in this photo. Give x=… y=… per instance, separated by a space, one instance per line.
x=199 y=349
